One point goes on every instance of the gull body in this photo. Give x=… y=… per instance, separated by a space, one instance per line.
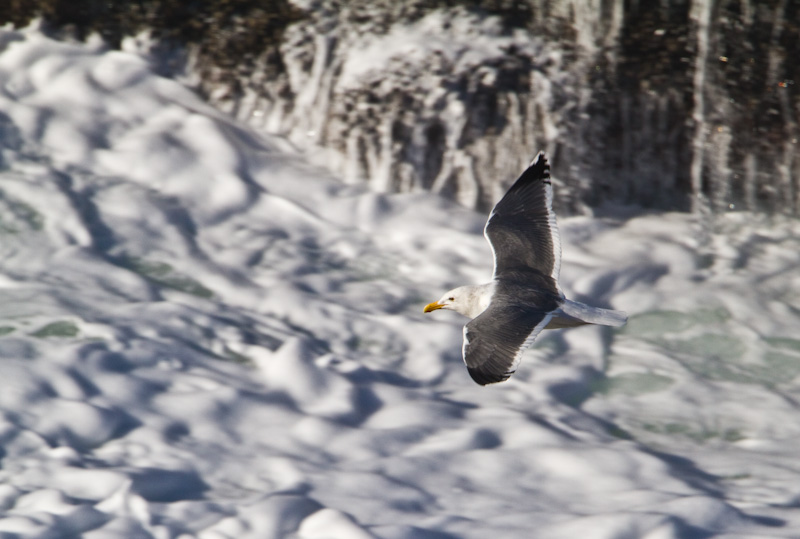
x=472 y=299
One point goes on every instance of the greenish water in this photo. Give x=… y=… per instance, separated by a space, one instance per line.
x=164 y=275
x=63 y=328
x=17 y=216
x=632 y=384
x=717 y=353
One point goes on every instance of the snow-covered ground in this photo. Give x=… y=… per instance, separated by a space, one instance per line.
x=204 y=336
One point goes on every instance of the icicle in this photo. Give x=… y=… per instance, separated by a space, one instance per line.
x=701 y=14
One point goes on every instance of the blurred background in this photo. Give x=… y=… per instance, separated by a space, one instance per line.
x=204 y=334
x=672 y=104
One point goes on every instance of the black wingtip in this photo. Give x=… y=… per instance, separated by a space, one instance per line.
x=539 y=157
x=484 y=377
x=538 y=170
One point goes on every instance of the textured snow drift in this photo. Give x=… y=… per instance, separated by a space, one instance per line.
x=203 y=336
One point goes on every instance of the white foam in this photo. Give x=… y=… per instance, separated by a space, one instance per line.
x=202 y=335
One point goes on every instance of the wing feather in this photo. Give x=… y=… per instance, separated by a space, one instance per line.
x=494 y=341
x=522 y=228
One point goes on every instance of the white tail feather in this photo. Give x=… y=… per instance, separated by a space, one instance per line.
x=574 y=313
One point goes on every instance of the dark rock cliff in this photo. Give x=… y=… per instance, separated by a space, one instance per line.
x=673 y=104
x=676 y=104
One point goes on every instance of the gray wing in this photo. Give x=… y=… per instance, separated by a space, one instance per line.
x=522 y=228
x=495 y=339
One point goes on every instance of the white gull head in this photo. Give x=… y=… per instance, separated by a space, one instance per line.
x=470 y=300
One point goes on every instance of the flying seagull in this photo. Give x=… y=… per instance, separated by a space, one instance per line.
x=523 y=297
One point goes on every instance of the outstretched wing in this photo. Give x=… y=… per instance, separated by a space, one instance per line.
x=494 y=341
x=522 y=228
x=521 y=306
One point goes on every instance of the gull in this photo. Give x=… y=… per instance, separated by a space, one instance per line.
x=523 y=297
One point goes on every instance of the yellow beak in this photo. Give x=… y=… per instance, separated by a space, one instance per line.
x=432 y=306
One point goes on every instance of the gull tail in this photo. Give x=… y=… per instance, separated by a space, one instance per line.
x=573 y=313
